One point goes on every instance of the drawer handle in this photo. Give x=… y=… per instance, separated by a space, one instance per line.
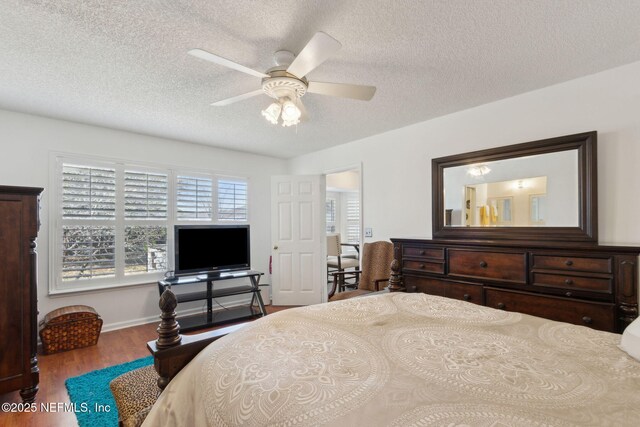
x=501 y=306
x=568 y=282
x=466 y=297
x=568 y=294
x=588 y=320
x=568 y=263
x=483 y=264
x=421 y=266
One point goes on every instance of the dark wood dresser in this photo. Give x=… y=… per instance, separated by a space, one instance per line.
x=18 y=291
x=584 y=284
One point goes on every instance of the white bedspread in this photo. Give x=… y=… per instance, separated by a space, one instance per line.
x=403 y=360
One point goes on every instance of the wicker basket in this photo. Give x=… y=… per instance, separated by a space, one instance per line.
x=70 y=327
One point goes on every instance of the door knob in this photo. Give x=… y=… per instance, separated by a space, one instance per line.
x=275 y=247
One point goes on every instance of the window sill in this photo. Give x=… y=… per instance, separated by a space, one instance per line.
x=57 y=292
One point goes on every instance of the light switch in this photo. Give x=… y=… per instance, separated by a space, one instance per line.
x=368 y=232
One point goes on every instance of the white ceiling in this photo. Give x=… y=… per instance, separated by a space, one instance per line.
x=123 y=64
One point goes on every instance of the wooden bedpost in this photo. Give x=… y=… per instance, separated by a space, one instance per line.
x=172 y=351
x=169 y=329
x=395 y=280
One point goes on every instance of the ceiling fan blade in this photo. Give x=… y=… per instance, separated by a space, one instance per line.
x=304 y=114
x=207 y=56
x=319 y=49
x=237 y=98
x=364 y=93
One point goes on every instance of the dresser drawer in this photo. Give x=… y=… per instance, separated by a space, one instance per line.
x=427 y=266
x=551 y=262
x=595 y=315
x=425 y=285
x=465 y=292
x=572 y=285
x=498 y=266
x=445 y=288
x=422 y=252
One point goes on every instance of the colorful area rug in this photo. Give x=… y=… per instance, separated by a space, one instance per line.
x=92 y=398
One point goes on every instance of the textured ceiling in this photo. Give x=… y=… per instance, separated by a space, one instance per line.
x=123 y=64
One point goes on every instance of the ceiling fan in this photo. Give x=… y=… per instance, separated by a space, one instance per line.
x=286 y=82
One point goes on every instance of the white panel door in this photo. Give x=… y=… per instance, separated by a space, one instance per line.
x=297 y=231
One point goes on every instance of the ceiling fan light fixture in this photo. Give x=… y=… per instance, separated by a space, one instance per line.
x=290 y=112
x=478 y=170
x=286 y=123
x=285 y=109
x=272 y=112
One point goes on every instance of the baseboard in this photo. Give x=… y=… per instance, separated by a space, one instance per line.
x=156 y=317
x=144 y=320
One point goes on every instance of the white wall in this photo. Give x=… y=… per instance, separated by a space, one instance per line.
x=26 y=143
x=397 y=165
x=396 y=168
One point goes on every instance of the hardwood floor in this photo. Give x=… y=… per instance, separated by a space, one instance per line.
x=113 y=348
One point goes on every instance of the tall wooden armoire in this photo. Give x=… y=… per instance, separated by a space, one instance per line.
x=19 y=226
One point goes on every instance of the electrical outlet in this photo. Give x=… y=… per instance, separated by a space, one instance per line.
x=368 y=232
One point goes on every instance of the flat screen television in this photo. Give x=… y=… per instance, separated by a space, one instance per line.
x=211 y=248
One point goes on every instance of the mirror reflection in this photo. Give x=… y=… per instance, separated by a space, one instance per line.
x=531 y=191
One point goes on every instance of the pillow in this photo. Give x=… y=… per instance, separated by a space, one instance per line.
x=630 y=342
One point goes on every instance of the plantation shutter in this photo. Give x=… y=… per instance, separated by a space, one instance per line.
x=194 y=197
x=145 y=199
x=145 y=249
x=88 y=193
x=330 y=207
x=145 y=195
x=88 y=251
x=232 y=200
x=88 y=229
x=353 y=220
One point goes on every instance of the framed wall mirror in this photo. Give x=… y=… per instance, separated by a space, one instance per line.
x=541 y=191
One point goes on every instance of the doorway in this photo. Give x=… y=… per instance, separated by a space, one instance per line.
x=343 y=211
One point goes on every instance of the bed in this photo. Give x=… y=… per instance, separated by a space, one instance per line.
x=403 y=359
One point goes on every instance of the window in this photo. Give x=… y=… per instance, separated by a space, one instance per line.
x=145 y=195
x=232 y=200
x=145 y=249
x=88 y=252
x=194 y=197
x=353 y=219
x=330 y=206
x=145 y=222
x=88 y=227
x=113 y=222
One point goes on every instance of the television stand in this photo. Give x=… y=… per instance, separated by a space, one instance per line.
x=211 y=318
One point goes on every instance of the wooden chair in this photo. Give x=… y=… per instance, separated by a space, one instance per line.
x=336 y=262
x=376 y=269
